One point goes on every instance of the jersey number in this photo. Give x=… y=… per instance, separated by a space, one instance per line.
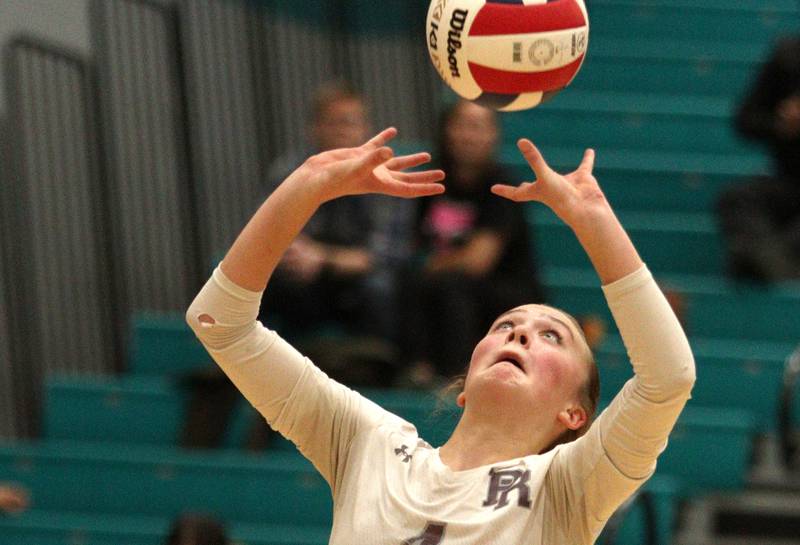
x=433 y=535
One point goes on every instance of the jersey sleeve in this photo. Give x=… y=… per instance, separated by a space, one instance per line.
x=595 y=474
x=298 y=400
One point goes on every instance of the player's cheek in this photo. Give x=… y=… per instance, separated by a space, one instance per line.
x=481 y=351
x=552 y=371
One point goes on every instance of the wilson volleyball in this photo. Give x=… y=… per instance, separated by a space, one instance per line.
x=506 y=54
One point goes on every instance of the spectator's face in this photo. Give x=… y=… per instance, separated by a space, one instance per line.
x=342 y=124
x=471 y=134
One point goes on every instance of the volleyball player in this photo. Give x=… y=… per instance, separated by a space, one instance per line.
x=525 y=464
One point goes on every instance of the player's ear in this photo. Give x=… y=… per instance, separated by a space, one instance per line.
x=573 y=417
x=461 y=400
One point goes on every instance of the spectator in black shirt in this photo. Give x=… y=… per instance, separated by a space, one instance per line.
x=761 y=219
x=322 y=278
x=474 y=255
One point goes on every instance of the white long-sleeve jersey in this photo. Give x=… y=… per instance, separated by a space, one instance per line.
x=390 y=487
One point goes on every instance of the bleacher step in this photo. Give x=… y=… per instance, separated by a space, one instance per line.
x=716 y=540
x=769 y=472
x=746 y=518
x=774 y=515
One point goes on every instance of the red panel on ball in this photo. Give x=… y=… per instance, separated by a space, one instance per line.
x=495 y=19
x=491 y=80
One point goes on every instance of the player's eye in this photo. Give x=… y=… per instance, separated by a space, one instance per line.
x=552 y=335
x=505 y=325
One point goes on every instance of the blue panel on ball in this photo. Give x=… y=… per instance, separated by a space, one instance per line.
x=495 y=100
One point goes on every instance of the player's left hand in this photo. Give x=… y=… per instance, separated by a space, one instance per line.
x=572 y=196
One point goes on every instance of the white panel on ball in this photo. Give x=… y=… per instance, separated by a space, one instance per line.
x=448 y=27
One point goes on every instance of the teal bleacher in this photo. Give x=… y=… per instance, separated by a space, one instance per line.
x=655 y=98
x=113 y=441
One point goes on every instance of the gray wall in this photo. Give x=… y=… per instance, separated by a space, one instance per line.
x=132 y=188
x=65 y=22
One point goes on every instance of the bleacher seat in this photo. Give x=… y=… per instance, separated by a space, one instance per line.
x=435 y=421
x=736 y=312
x=712 y=22
x=725 y=369
x=669 y=243
x=162 y=343
x=668 y=182
x=135 y=410
x=628 y=121
x=38 y=527
x=675 y=68
x=135 y=480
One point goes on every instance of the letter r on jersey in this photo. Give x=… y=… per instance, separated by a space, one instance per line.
x=503 y=482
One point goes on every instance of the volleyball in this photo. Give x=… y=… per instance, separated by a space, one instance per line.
x=507 y=54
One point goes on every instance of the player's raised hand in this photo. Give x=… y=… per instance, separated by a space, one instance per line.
x=372 y=168
x=570 y=196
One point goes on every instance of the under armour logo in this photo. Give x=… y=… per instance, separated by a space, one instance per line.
x=503 y=482
x=402 y=452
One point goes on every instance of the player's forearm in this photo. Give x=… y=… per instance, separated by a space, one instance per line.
x=259 y=247
x=608 y=246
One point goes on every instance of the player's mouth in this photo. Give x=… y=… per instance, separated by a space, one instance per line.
x=515 y=359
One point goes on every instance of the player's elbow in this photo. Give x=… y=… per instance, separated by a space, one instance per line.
x=205 y=326
x=199 y=321
x=687 y=377
x=680 y=381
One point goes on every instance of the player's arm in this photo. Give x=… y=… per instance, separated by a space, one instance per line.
x=605 y=466
x=296 y=398
x=367 y=169
x=577 y=199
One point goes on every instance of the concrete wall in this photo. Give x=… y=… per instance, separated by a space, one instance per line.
x=65 y=22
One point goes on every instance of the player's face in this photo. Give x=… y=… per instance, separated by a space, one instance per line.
x=532 y=358
x=342 y=124
x=471 y=134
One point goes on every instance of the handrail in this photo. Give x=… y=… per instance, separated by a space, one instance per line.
x=611 y=532
x=790 y=443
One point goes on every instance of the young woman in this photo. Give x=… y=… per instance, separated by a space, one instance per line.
x=498 y=479
x=476 y=257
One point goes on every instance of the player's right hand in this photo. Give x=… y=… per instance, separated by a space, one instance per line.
x=371 y=168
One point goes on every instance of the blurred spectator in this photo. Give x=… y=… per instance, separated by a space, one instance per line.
x=761 y=219
x=197 y=530
x=13 y=499
x=332 y=292
x=475 y=259
x=330 y=275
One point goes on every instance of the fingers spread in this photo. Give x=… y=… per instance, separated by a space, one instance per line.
x=375 y=158
x=425 y=177
x=526 y=191
x=533 y=156
x=506 y=191
x=588 y=160
x=382 y=138
x=412 y=190
x=408 y=161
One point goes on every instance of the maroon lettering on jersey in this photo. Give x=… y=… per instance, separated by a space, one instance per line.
x=433 y=535
x=503 y=482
